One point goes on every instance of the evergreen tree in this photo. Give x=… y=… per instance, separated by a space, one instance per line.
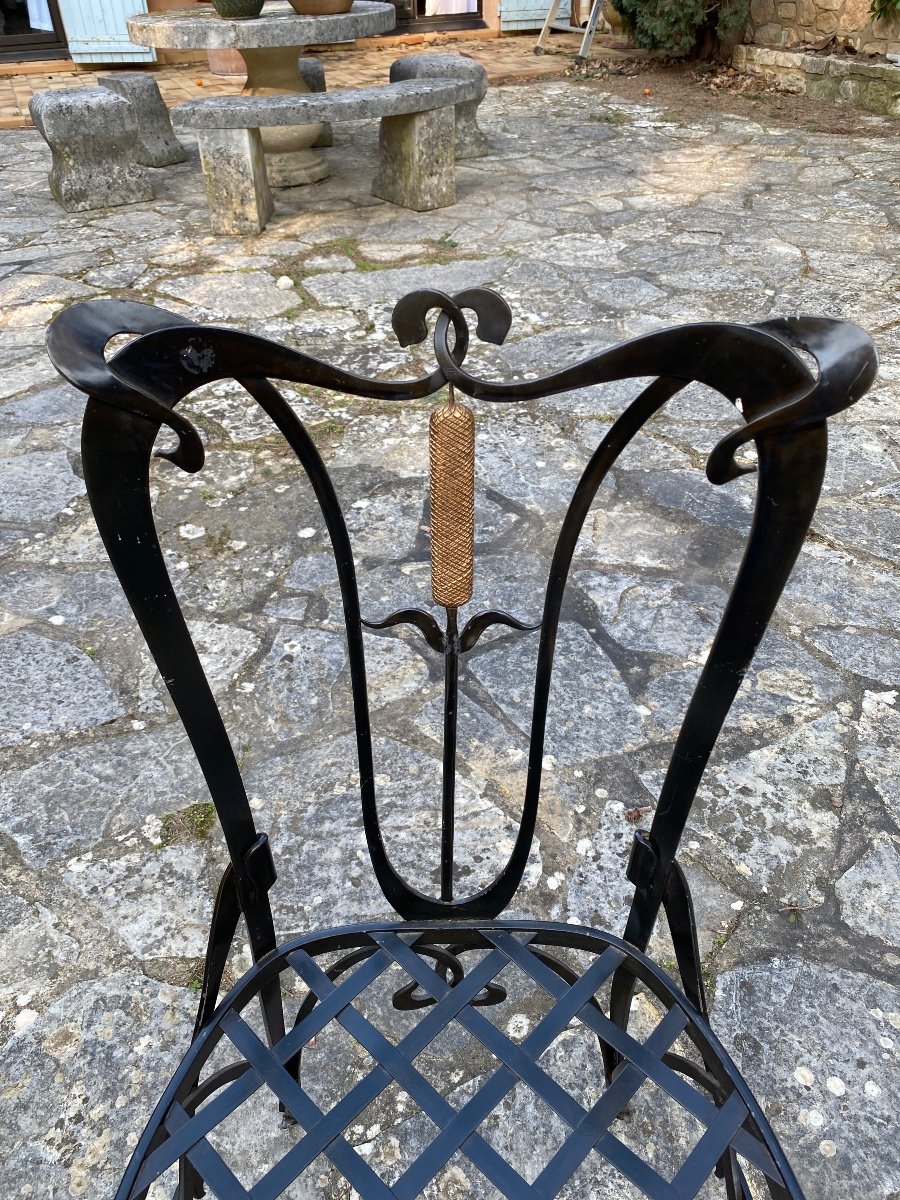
x=705 y=28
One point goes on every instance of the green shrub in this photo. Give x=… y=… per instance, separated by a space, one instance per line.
x=702 y=28
x=885 y=10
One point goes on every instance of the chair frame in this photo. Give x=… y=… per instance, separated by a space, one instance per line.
x=762 y=371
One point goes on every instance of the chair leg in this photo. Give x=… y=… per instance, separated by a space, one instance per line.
x=417 y=160
x=679 y=910
x=736 y=1185
x=237 y=187
x=272 y=1011
x=190 y=1185
x=226 y=914
x=638 y=930
x=223 y=927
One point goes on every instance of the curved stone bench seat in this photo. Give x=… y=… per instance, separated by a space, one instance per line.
x=417 y=143
x=303 y=108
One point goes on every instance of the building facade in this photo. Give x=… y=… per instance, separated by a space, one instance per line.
x=94 y=31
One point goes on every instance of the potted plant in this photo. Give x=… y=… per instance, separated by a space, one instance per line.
x=238 y=10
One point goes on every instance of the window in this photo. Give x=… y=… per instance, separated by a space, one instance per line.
x=425 y=15
x=30 y=29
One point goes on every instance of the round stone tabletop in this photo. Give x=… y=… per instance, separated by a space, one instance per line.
x=278 y=25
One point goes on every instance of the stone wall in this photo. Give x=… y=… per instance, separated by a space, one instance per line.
x=793 y=22
x=859 y=82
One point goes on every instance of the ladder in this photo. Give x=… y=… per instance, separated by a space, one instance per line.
x=588 y=31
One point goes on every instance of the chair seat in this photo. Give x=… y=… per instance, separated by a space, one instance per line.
x=460 y=1059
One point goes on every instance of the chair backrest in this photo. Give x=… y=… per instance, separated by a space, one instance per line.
x=766 y=372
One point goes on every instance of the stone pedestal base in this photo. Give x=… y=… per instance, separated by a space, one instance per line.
x=296 y=167
x=313 y=75
x=416 y=160
x=290 y=158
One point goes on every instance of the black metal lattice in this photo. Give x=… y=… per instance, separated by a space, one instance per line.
x=728 y=1128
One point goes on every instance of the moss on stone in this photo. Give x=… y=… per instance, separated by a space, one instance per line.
x=191 y=824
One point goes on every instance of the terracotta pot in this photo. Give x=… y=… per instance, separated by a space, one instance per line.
x=226 y=62
x=320 y=8
x=238 y=10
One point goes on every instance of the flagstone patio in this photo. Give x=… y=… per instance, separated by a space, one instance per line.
x=598 y=219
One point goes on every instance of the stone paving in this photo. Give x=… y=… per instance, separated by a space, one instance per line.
x=598 y=219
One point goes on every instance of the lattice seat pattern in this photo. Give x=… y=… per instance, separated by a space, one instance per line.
x=727 y=1122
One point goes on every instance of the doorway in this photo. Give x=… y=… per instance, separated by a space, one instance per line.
x=424 y=16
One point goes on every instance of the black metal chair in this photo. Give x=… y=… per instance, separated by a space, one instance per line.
x=450 y=964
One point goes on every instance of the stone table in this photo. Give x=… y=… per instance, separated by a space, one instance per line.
x=270 y=46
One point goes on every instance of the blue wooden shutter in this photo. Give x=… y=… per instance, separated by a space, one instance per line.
x=95 y=30
x=528 y=14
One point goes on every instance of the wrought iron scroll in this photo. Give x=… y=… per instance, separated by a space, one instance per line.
x=132 y=396
x=784 y=407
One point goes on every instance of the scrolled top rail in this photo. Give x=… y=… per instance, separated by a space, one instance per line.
x=761 y=369
x=847 y=362
x=183 y=355
x=760 y=359
x=76 y=341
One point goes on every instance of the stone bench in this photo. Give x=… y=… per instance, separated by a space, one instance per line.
x=101 y=137
x=416 y=144
x=470 y=141
x=157 y=145
x=93 y=137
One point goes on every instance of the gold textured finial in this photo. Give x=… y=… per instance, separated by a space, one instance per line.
x=451 y=447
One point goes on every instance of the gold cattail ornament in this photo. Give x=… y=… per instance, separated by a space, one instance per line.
x=451 y=452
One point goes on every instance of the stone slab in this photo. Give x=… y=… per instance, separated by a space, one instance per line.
x=300 y=108
x=82 y=795
x=78 y=1066
x=250 y=293
x=49 y=687
x=338 y=289
x=163 y=898
x=833 y=1098
x=277 y=25
x=37 y=485
x=867 y=892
